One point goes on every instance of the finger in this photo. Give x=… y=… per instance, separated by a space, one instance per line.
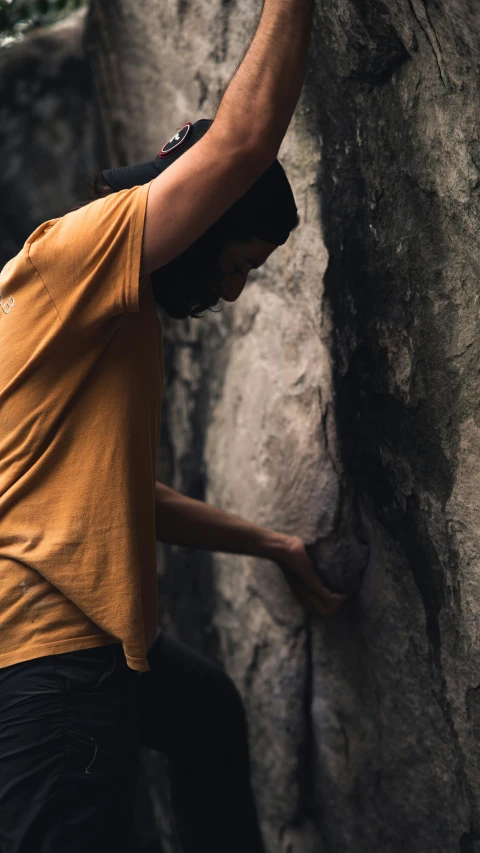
x=300 y=595
x=310 y=601
x=316 y=586
x=327 y=595
x=323 y=607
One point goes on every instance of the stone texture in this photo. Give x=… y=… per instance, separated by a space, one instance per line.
x=49 y=135
x=349 y=366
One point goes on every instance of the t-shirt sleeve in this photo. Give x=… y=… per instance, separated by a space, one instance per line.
x=89 y=259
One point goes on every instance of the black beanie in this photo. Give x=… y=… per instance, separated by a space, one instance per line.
x=265 y=207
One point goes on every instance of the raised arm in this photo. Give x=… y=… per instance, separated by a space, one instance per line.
x=259 y=103
x=243 y=141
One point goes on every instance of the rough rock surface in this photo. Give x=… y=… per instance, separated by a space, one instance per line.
x=49 y=134
x=350 y=365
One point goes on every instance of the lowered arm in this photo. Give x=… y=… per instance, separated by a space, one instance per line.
x=194 y=524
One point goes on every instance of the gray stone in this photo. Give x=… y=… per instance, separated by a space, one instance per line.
x=342 y=556
x=49 y=134
x=350 y=363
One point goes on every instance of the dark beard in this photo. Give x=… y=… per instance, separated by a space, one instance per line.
x=187 y=285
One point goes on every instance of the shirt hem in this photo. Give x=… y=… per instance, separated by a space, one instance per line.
x=140 y=664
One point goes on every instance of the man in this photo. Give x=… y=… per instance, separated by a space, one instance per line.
x=84 y=680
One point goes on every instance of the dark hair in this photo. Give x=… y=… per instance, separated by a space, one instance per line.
x=187 y=286
x=96 y=188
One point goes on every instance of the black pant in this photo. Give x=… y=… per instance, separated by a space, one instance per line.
x=70 y=730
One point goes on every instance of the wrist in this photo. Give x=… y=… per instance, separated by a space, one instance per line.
x=280 y=547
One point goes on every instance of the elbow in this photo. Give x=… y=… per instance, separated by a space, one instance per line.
x=262 y=151
x=259 y=156
x=253 y=151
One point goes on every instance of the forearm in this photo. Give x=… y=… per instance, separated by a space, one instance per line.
x=265 y=90
x=194 y=524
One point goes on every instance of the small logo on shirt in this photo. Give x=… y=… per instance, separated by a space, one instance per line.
x=7 y=303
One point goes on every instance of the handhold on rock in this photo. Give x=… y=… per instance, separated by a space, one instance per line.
x=341 y=557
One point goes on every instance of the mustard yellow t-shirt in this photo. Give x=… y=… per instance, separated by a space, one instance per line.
x=81 y=380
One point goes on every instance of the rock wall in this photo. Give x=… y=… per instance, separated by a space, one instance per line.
x=348 y=367
x=49 y=134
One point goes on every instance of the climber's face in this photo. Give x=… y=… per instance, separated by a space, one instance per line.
x=235 y=263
